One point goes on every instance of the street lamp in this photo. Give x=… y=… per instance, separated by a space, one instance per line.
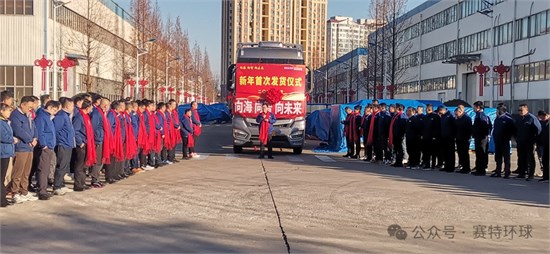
x=350 y=77
x=326 y=82
x=141 y=51
x=168 y=67
x=488 y=11
x=56 y=5
x=512 y=68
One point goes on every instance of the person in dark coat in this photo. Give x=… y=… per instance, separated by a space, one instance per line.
x=481 y=132
x=412 y=138
x=447 y=139
x=186 y=133
x=544 y=143
x=543 y=119
x=503 y=132
x=528 y=129
x=398 y=126
x=365 y=124
x=431 y=129
x=383 y=123
x=463 y=125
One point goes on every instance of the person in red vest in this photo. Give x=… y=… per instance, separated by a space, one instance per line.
x=85 y=152
x=197 y=126
x=114 y=168
x=266 y=120
x=144 y=145
x=352 y=123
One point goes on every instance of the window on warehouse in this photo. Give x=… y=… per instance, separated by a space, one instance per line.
x=16 y=7
x=18 y=79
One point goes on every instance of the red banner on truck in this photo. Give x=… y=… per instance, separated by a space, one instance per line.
x=254 y=80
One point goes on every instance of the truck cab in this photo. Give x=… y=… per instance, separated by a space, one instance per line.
x=264 y=66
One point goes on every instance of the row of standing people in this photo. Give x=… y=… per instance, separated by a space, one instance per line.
x=87 y=135
x=430 y=139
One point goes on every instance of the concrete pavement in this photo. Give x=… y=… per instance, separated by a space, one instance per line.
x=221 y=203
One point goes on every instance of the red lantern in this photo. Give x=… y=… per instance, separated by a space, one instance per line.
x=65 y=63
x=162 y=89
x=501 y=69
x=392 y=88
x=143 y=83
x=43 y=63
x=481 y=70
x=131 y=83
x=380 y=91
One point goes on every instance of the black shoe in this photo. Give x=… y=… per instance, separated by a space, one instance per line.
x=79 y=189
x=347 y=155
x=479 y=173
x=353 y=157
x=111 y=181
x=515 y=171
x=529 y=178
x=543 y=180
x=397 y=165
x=175 y=161
x=464 y=171
x=495 y=174
x=270 y=157
x=186 y=158
x=44 y=196
x=520 y=177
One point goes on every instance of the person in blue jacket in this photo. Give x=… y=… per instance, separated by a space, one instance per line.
x=266 y=118
x=46 y=142
x=65 y=143
x=186 y=132
x=503 y=132
x=481 y=132
x=528 y=130
x=7 y=149
x=97 y=123
x=24 y=130
x=447 y=139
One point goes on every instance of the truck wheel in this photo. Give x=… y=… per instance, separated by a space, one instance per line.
x=297 y=150
x=237 y=149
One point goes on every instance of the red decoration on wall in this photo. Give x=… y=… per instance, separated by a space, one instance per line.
x=131 y=83
x=481 y=70
x=43 y=63
x=380 y=91
x=65 y=63
x=143 y=83
x=391 y=88
x=501 y=69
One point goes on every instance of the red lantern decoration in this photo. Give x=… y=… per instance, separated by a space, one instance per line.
x=131 y=83
x=380 y=91
x=162 y=89
x=65 y=63
x=392 y=88
x=143 y=83
x=43 y=63
x=501 y=69
x=273 y=96
x=481 y=70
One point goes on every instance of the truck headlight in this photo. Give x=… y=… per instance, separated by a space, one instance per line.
x=297 y=135
x=239 y=134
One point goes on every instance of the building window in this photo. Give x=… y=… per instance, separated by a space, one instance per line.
x=17 y=79
x=17 y=7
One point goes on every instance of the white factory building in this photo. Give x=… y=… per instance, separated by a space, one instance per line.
x=29 y=31
x=442 y=42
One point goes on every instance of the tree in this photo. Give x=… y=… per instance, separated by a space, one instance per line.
x=389 y=44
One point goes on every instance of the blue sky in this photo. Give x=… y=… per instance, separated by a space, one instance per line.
x=202 y=19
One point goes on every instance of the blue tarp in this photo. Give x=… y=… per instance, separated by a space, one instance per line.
x=334 y=129
x=315 y=122
x=218 y=112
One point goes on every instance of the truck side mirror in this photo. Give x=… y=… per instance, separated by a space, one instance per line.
x=231 y=77
x=309 y=80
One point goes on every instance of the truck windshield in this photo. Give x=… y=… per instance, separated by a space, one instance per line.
x=270 y=60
